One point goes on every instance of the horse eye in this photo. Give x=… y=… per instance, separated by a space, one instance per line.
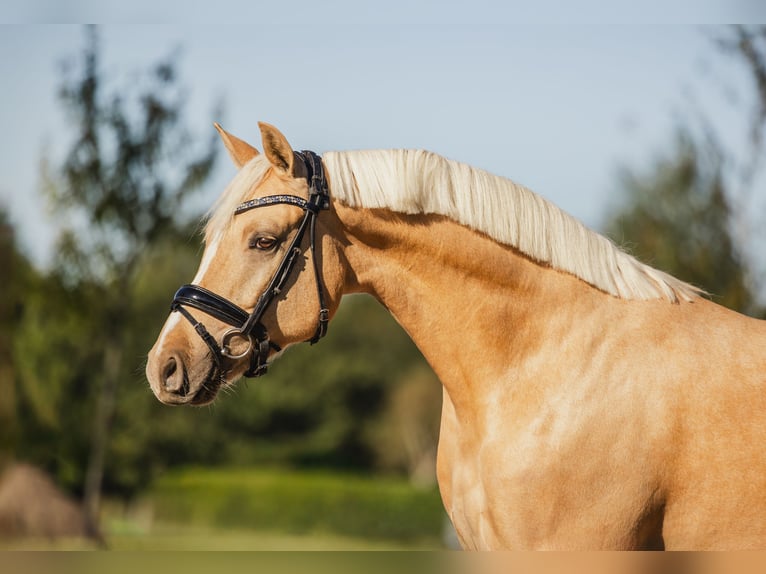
x=262 y=243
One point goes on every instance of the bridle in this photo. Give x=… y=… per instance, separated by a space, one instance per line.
x=246 y=325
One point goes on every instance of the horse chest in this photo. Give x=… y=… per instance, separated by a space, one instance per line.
x=522 y=487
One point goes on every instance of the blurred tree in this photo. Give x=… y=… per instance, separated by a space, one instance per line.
x=747 y=45
x=8 y=303
x=54 y=354
x=407 y=435
x=694 y=213
x=334 y=404
x=19 y=278
x=678 y=218
x=118 y=192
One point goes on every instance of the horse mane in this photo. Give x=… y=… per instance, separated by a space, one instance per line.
x=421 y=182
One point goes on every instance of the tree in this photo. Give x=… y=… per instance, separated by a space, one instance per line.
x=694 y=213
x=678 y=218
x=336 y=404
x=130 y=165
x=19 y=277
x=747 y=44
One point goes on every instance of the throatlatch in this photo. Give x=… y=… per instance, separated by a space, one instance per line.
x=246 y=325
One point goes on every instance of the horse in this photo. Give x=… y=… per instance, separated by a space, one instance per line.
x=589 y=400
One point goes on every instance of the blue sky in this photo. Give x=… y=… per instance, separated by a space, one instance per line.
x=556 y=106
x=329 y=12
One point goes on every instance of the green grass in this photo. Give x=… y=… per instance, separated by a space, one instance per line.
x=132 y=561
x=178 y=537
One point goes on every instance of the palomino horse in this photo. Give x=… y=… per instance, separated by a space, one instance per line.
x=590 y=401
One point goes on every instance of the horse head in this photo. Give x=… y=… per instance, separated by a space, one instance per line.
x=255 y=291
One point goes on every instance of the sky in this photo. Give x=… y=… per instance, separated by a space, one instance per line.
x=559 y=106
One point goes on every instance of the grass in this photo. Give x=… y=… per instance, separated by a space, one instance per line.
x=132 y=560
x=179 y=537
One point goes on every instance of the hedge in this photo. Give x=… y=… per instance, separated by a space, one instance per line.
x=299 y=503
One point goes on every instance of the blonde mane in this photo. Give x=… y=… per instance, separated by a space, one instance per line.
x=414 y=181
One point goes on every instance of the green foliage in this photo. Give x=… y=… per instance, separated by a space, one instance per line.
x=53 y=362
x=299 y=503
x=19 y=278
x=342 y=403
x=328 y=405
x=678 y=218
x=319 y=404
x=57 y=352
x=84 y=330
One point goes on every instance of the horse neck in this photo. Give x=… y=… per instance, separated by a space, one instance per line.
x=471 y=305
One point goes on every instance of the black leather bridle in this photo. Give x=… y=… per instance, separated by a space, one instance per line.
x=246 y=325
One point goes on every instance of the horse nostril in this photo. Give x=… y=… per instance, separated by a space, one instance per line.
x=173 y=376
x=170 y=369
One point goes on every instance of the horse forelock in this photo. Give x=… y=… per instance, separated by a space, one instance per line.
x=416 y=181
x=239 y=189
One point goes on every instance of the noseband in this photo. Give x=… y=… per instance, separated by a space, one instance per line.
x=247 y=326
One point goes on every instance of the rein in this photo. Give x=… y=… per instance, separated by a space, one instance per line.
x=246 y=325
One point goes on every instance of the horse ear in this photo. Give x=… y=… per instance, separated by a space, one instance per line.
x=240 y=151
x=276 y=148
